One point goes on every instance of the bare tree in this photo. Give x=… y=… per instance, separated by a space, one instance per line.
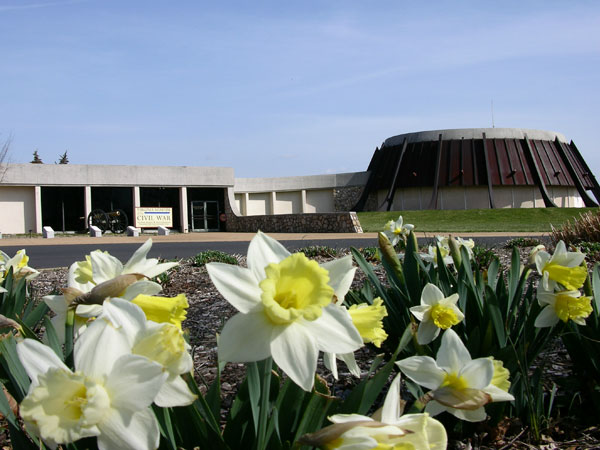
x=4 y=154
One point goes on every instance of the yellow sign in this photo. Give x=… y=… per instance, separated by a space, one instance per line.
x=153 y=217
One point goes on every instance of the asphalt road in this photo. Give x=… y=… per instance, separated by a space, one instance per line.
x=48 y=256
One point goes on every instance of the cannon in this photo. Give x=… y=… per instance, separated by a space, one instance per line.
x=115 y=221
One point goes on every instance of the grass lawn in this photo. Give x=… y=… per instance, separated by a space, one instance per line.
x=510 y=219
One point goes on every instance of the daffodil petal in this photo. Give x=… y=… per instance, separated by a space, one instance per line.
x=431 y=295
x=427 y=332
x=151 y=269
x=477 y=415
x=434 y=408
x=173 y=393
x=350 y=361
x=134 y=382
x=37 y=358
x=104 y=266
x=329 y=360
x=138 y=431
x=295 y=352
x=139 y=255
x=348 y=418
x=262 y=251
x=98 y=337
x=142 y=287
x=547 y=317
x=392 y=408
x=422 y=370
x=341 y=274
x=478 y=373
x=237 y=284
x=334 y=331
x=57 y=303
x=125 y=316
x=498 y=395
x=419 y=311
x=254 y=330
x=452 y=355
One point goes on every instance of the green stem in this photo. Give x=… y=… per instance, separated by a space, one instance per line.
x=69 y=331
x=265 y=375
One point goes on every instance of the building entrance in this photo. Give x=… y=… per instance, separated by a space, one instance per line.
x=204 y=215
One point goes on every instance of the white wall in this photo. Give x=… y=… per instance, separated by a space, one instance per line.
x=258 y=204
x=288 y=202
x=17 y=209
x=476 y=197
x=320 y=200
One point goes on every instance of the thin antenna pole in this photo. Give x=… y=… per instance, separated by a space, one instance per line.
x=493 y=126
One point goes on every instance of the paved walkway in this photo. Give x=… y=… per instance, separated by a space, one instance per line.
x=228 y=237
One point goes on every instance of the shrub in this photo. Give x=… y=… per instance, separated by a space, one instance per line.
x=314 y=251
x=522 y=242
x=585 y=228
x=208 y=256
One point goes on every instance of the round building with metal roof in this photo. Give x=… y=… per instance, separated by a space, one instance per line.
x=478 y=168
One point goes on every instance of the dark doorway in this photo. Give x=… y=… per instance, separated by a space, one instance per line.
x=63 y=208
x=162 y=197
x=205 y=206
x=113 y=198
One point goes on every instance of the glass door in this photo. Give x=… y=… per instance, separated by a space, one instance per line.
x=204 y=215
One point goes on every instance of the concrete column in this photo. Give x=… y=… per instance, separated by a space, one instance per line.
x=136 y=197
x=87 y=203
x=245 y=201
x=303 y=201
x=183 y=209
x=272 y=199
x=38 y=209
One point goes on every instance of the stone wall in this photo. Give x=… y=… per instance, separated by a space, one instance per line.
x=345 y=198
x=338 y=222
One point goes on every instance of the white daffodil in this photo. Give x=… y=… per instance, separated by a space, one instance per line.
x=562 y=305
x=562 y=267
x=162 y=343
x=468 y=244
x=368 y=320
x=100 y=267
x=458 y=384
x=18 y=263
x=108 y=395
x=396 y=230
x=386 y=429
x=286 y=309
x=431 y=255
x=435 y=313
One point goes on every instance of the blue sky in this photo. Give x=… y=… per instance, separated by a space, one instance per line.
x=287 y=88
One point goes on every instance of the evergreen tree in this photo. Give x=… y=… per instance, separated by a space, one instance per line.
x=36 y=158
x=63 y=158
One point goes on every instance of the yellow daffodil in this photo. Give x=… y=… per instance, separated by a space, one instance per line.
x=501 y=376
x=396 y=230
x=435 y=313
x=562 y=267
x=368 y=320
x=18 y=263
x=108 y=395
x=286 y=309
x=98 y=268
x=386 y=429
x=162 y=343
x=163 y=309
x=459 y=385
x=562 y=305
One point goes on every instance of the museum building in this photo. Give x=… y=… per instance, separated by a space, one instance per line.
x=441 y=169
